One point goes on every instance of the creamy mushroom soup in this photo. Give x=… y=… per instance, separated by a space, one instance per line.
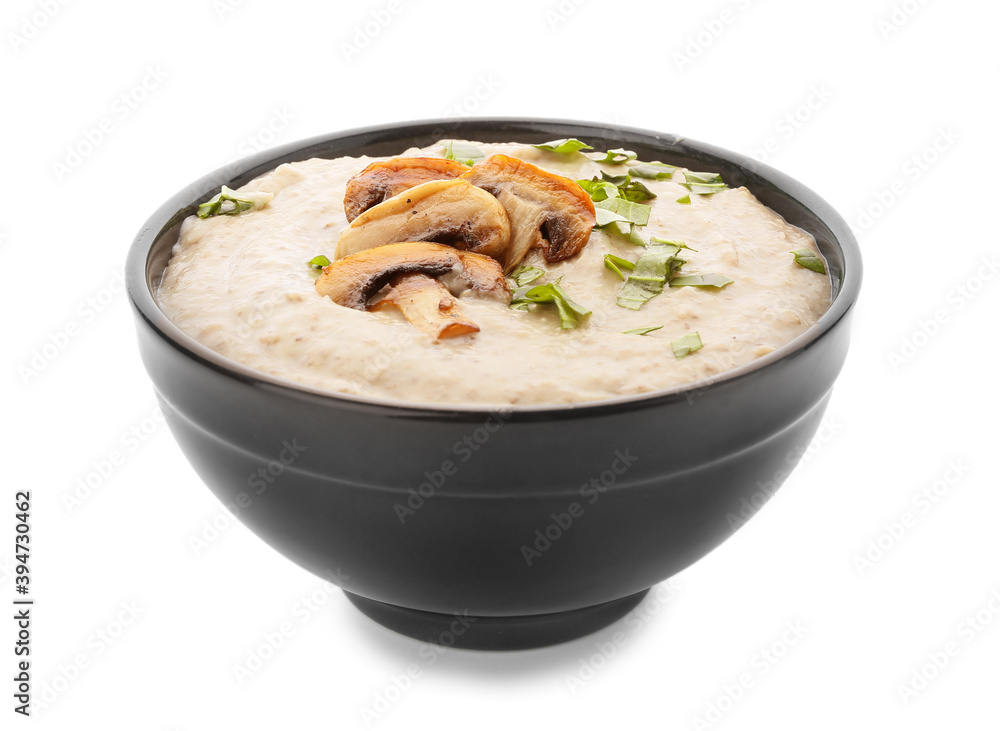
x=492 y=274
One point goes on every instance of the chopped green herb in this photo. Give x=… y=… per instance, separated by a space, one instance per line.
x=550 y=293
x=649 y=276
x=675 y=266
x=616 y=264
x=631 y=211
x=642 y=330
x=678 y=244
x=615 y=180
x=652 y=170
x=614 y=157
x=605 y=216
x=806 y=258
x=570 y=144
x=598 y=190
x=685 y=199
x=577 y=308
x=634 y=237
x=686 y=345
x=525 y=275
x=465 y=154
x=624 y=216
x=635 y=191
x=226 y=203
x=701 y=280
x=318 y=262
x=616 y=186
x=703 y=183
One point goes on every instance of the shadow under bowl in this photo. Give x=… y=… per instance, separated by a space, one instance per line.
x=495 y=529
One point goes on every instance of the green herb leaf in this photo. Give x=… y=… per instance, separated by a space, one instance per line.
x=635 y=238
x=703 y=183
x=642 y=330
x=465 y=154
x=616 y=264
x=318 y=262
x=635 y=191
x=616 y=186
x=564 y=146
x=577 y=308
x=226 y=203
x=615 y=180
x=550 y=293
x=518 y=302
x=701 y=280
x=598 y=190
x=649 y=276
x=525 y=275
x=686 y=345
x=631 y=211
x=678 y=244
x=806 y=258
x=605 y=216
x=685 y=199
x=616 y=222
x=652 y=170
x=614 y=157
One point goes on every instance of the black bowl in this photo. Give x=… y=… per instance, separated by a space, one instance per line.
x=484 y=529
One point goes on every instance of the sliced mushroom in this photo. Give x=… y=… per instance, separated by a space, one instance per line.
x=422 y=280
x=545 y=210
x=452 y=212
x=385 y=178
x=428 y=305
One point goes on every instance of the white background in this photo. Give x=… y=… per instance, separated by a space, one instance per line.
x=887 y=109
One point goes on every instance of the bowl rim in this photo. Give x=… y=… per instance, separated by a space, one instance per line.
x=143 y=299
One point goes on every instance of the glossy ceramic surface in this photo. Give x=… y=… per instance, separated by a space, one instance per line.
x=542 y=522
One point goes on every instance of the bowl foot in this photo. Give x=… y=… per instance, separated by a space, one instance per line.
x=496 y=633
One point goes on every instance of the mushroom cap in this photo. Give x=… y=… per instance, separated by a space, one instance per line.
x=453 y=212
x=354 y=280
x=385 y=178
x=545 y=210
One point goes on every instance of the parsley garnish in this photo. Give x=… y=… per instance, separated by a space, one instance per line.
x=808 y=259
x=226 y=203
x=564 y=146
x=465 y=154
x=686 y=345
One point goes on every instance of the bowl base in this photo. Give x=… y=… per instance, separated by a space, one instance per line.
x=496 y=633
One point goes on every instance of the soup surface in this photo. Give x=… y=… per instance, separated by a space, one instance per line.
x=242 y=285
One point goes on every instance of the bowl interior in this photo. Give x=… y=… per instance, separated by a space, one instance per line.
x=795 y=202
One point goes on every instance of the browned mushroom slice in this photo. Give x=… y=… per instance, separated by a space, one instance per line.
x=452 y=212
x=545 y=210
x=385 y=178
x=428 y=305
x=422 y=279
